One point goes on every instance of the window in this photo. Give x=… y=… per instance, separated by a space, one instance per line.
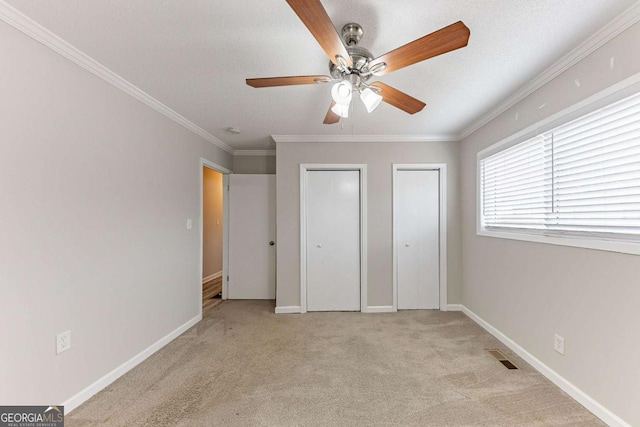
x=580 y=179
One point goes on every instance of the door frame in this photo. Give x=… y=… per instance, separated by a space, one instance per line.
x=442 y=178
x=304 y=168
x=225 y=224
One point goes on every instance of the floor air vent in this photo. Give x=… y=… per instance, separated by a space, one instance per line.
x=502 y=359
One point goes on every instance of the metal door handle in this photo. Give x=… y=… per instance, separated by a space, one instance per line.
x=271 y=243
x=319 y=245
x=407 y=244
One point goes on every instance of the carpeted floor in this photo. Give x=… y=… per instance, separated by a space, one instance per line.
x=243 y=365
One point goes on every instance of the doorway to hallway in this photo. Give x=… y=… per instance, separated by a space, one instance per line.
x=214 y=246
x=212 y=236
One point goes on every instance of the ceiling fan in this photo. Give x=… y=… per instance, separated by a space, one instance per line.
x=352 y=66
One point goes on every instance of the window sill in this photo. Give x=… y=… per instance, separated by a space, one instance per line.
x=624 y=247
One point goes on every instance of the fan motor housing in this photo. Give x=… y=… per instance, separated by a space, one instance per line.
x=360 y=58
x=351 y=34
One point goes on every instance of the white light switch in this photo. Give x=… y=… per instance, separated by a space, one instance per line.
x=189 y=224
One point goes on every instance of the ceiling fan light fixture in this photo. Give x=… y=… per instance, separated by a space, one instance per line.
x=353 y=65
x=341 y=110
x=342 y=92
x=370 y=99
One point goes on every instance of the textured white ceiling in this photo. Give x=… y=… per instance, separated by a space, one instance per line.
x=194 y=57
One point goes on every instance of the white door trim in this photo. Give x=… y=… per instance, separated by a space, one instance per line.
x=362 y=168
x=442 y=169
x=225 y=225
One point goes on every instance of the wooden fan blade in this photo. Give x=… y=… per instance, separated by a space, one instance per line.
x=453 y=37
x=399 y=99
x=313 y=15
x=286 y=81
x=331 y=117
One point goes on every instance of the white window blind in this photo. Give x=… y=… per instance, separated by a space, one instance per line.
x=581 y=178
x=516 y=186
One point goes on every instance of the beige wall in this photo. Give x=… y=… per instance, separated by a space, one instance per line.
x=212 y=222
x=530 y=291
x=254 y=164
x=379 y=158
x=96 y=189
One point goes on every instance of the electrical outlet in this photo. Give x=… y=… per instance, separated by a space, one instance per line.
x=558 y=344
x=189 y=224
x=63 y=341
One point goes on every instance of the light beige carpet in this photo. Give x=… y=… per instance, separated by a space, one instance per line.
x=243 y=365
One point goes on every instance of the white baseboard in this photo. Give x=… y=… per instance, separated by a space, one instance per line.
x=580 y=396
x=380 y=309
x=455 y=307
x=288 y=309
x=79 y=398
x=211 y=277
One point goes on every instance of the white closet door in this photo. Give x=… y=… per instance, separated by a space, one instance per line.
x=252 y=228
x=333 y=240
x=417 y=226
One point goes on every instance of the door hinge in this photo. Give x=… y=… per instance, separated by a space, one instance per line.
x=227 y=278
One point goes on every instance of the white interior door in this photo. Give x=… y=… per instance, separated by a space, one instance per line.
x=418 y=236
x=333 y=240
x=252 y=229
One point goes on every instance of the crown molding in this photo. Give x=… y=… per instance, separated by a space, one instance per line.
x=254 y=153
x=597 y=40
x=365 y=138
x=36 y=31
